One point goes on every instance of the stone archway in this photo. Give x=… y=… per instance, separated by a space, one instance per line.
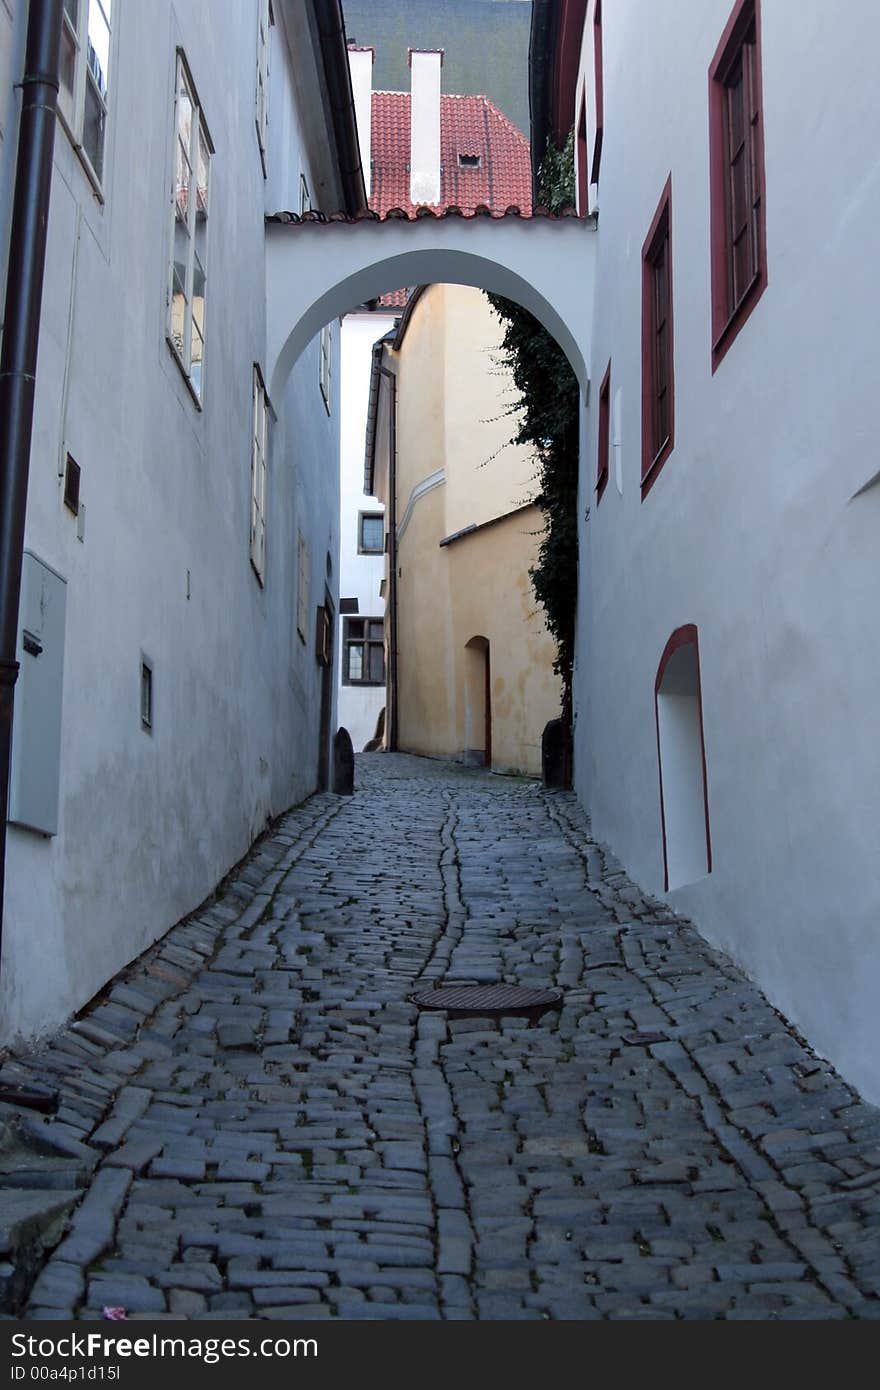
x=316 y=271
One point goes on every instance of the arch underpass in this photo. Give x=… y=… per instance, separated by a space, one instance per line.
x=316 y=271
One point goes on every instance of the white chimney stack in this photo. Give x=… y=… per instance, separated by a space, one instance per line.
x=424 y=159
x=360 y=64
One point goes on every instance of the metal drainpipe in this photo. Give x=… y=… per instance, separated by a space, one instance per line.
x=393 y=721
x=18 y=358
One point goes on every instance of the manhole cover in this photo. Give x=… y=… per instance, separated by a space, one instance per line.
x=489 y=999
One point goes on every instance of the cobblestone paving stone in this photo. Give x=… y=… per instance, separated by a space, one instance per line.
x=276 y=1131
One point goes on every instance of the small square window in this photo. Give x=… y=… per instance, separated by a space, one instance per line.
x=363 y=658
x=371 y=533
x=71 y=486
x=469 y=161
x=146 y=696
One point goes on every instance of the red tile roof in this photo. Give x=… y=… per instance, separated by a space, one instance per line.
x=394 y=299
x=468 y=126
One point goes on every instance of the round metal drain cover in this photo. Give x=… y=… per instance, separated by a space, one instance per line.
x=488 y=999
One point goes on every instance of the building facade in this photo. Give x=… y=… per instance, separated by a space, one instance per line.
x=471 y=669
x=182 y=527
x=428 y=148
x=362 y=541
x=469 y=660
x=727 y=740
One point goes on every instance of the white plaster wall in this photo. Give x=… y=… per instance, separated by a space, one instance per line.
x=752 y=530
x=149 y=823
x=360 y=575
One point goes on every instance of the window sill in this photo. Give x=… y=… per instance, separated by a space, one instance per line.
x=649 y=477
x=196 y=399
x=724 y=338
x=364 y=685
x=85 y=162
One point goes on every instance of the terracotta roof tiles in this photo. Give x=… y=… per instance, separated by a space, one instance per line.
x=469 y=126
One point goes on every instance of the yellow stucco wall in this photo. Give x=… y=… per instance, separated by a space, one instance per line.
x=451 y=416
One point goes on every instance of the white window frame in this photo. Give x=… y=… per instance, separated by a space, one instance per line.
x=264 y=24
x=182 y=351
x=259 y=470
x=71 y=109
x=325 y=363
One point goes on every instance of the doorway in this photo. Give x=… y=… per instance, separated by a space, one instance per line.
x=324 y=654
x=684 y=802
x=477 y=704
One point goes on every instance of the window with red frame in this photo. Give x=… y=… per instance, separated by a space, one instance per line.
x=600 y=95
x=658 y=384
x=604 y=435
x=583 y=188
x=739 y=263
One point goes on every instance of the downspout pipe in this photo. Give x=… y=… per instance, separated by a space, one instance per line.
x=337 y=77
x=394 y=718
x=18 y=356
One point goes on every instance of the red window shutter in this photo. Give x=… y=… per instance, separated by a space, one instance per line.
x=658 y=365
x=736 y=174
x=599 y=90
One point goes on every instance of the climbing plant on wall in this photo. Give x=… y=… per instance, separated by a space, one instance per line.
x=546 y=413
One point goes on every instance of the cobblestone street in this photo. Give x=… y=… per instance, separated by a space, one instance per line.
x=264 y=1125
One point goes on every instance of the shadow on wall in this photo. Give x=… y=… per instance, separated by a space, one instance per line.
x=378 y=739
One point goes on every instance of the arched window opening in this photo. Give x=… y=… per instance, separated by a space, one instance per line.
x=684 y=801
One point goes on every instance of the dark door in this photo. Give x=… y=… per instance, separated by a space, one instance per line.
x=488 y=710
x=324 y=653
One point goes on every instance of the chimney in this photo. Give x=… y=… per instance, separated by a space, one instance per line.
x=360 y=65
x=424 y=159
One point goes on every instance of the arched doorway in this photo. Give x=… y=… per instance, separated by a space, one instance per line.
x=684 y=800
x=477 y=703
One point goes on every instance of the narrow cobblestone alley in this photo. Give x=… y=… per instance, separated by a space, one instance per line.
x=266 y=1127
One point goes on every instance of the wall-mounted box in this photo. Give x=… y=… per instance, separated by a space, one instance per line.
x=36 y=727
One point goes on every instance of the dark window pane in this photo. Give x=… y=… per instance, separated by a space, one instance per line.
x=740 y=191
x=742 y=267
x=93 y=128
x=735 y=108
x=377 y=630
x=377 y=663
x=661 y=421
x=662 y=368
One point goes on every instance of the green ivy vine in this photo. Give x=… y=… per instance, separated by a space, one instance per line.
x=547 y=421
